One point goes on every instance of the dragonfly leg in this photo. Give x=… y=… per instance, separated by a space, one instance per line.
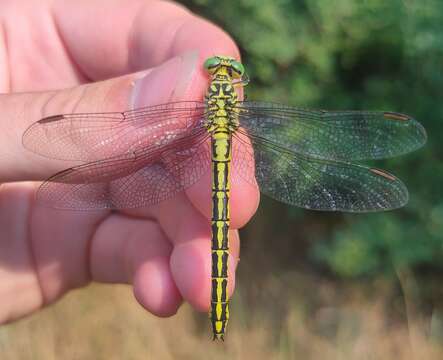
x=243 y=81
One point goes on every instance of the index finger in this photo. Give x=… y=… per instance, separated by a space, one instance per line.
x=108 y=38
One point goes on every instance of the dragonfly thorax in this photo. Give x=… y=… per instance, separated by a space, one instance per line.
x=221 y=98
x=221 y=101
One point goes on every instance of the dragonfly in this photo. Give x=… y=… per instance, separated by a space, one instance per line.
x=301 y=157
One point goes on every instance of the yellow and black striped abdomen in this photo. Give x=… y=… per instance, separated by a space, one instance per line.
x=221 y=161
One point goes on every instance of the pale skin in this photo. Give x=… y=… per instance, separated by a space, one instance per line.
x=89 y=56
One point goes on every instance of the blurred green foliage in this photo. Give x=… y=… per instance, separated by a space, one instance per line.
x=349 y=54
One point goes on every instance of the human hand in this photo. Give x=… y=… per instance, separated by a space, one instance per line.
x=95 y=56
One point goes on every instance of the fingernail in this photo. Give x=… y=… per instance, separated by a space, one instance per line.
x=168 y=82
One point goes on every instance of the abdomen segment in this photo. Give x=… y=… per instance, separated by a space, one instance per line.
x=221 y=161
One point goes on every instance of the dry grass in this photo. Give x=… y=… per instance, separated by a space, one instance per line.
x=288 y=317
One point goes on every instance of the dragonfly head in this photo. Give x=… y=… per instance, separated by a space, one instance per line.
x=224 y=65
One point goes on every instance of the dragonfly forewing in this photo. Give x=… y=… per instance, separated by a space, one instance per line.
x=332 y=135
x=95 y=136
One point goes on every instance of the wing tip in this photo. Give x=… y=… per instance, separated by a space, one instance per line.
x=416 y=128
x=422 y=131
x=403 y=193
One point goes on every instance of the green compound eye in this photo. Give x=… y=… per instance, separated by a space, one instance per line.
x=211 y=62
x=238 y=67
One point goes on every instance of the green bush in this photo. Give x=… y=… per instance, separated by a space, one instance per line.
x=346 y=54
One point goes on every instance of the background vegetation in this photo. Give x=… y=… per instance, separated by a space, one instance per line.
x=375 y=55
x=311 y=284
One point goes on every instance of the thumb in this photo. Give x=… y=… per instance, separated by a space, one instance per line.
x=180 y=78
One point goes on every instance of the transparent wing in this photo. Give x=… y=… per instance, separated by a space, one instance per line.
x=95 y=136
x=130 y=180
x=314 y=183
x=333 y=135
